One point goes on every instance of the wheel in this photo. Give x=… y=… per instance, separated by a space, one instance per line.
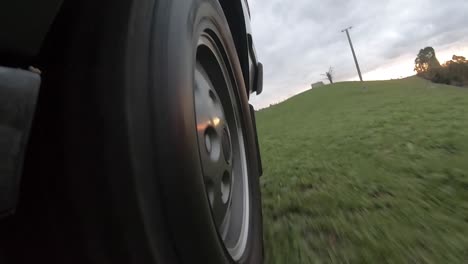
x=143 y=147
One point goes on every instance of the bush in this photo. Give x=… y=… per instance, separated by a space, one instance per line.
x=458 y=70
x=441 y=75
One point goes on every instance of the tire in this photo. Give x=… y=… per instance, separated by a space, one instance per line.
x=115 y=172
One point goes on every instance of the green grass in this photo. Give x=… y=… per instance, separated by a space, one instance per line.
x=375 y=175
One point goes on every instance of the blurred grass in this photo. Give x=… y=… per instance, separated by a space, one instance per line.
x=375 y=175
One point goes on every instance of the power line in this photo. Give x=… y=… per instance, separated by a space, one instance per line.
x=352 y=50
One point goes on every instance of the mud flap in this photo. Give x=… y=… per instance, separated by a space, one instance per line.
x=259 y=158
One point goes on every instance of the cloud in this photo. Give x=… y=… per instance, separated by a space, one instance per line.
x=298 y=40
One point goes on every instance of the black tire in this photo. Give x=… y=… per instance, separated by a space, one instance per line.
x=113 y=174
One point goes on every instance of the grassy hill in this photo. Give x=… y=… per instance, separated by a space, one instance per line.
x=375 y=175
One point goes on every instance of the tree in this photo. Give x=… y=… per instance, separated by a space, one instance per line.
x=426 y=63
x=459 y=59
x=330 y=75
x=453 y=72
x=457 y=70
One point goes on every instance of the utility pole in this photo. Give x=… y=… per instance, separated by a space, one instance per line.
x=352 y=50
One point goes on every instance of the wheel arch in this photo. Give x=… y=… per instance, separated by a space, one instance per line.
x=236 y=17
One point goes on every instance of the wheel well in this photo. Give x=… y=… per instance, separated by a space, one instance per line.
x=235 y=17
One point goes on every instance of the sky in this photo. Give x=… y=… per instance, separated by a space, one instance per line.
x=298 y=40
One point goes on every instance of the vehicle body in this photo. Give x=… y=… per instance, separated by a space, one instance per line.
x=30 y=36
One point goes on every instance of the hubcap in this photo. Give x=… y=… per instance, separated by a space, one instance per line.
x=221 y=144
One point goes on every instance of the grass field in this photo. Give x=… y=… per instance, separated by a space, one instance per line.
x=375 y=175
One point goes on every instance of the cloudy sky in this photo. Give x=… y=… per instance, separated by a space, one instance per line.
x=298 y=40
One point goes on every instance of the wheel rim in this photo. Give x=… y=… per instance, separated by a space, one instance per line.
x=221 y=145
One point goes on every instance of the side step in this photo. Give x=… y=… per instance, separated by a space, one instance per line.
x=18 y=96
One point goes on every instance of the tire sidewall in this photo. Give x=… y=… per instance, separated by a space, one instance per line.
x=176 y=32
